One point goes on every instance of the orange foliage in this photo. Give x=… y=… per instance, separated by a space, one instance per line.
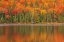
x=22 y=1
x=5 y=4
x=46 y=5
x=51 y=4
x=44 y=1
x=28 y=2
x=18 y=5
x=33 y=1
x=55 y=10
x=0 y=9
x=58 y=8
x=27 y=9
x=21 y=8
x=11 y=3
x=39 y=1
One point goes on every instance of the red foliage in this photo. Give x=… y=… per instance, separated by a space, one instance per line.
x=4 y=10
x=14 y=11
x=59 y=7
x=3 y=5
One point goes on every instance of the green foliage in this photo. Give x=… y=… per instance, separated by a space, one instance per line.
x=60 y=18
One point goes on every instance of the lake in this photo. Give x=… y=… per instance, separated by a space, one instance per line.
x=31 y=33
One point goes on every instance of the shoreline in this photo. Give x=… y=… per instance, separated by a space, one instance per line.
x=37 y=24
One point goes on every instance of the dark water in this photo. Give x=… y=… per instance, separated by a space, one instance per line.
x=31 y=33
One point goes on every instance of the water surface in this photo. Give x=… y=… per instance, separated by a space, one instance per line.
x=31 y=33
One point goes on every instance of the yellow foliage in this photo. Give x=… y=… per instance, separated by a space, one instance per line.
x=43 y=11
x=37 y=10
x=51 y=0
x=43 y=1
x=12 y=0
x=32 y=11
x=46 y=5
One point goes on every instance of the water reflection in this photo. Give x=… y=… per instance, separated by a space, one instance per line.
x=31 y=33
